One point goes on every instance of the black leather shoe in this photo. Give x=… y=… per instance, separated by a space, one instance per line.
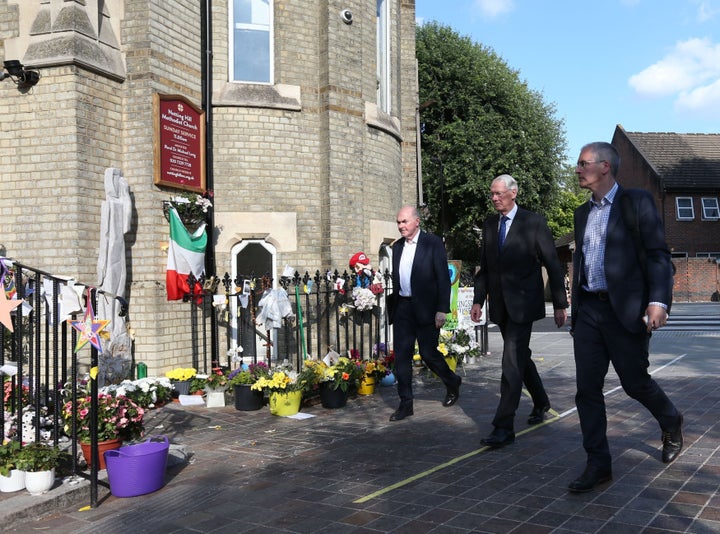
x=453 y=394
x=537 y=415
x=405 y=410
x=672 y=443
x=498 y=438
x=591 y=477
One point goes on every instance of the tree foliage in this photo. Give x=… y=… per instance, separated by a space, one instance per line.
x=479 y=120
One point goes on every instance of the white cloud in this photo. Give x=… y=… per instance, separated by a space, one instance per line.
x=702 y=100
x=691 y=71
x=706 y=11
x=493 y=8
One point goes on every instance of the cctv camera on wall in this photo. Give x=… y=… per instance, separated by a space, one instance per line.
x=346 y=16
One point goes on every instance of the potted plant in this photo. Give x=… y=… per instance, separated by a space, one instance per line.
x=119 y=419
x=241 y=380
x=335 y=381
x=285 y=387
x=11 y=478
x=146 y=392
x=180 y=379
x=39 y=462
x=372 y=371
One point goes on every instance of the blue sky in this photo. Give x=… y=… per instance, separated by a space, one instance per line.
x=649 y=65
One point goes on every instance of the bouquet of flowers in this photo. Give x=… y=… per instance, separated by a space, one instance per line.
x=458 y=344
x=191 y=208
x=363 y=299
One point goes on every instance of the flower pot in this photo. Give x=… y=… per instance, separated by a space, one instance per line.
x=182 y=387
x=246 y=399
x=388 y=380
x=39 y=482
x=285 y=403
x=367 y=385
x=451 y=362
x=15 y=481
x=332 y=398
x=215 y=399
x=103 y=446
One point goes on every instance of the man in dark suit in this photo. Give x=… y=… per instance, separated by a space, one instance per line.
x=516 y=243
x=420 y=302
x=622 y=287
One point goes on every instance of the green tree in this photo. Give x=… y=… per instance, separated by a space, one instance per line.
x=480 y=120
x=570 y=196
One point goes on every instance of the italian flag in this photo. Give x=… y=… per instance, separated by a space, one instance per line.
x=186 y=254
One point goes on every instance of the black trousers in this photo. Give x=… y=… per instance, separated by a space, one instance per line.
x=406 y=330
x=517 y=368
x=599 y=338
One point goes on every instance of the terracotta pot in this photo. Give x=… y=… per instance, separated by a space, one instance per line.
x=109 y=445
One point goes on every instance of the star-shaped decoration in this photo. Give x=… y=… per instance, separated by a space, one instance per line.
x=89 y=329
x=6 y=306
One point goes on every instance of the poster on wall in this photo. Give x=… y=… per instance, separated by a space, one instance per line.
x=179 y=143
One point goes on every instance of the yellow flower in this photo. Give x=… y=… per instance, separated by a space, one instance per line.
x=181 y=373
x=443 y=349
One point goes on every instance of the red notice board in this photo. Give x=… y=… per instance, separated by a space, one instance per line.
x=179 y=143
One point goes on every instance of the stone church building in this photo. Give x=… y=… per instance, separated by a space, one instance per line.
x=307 y=139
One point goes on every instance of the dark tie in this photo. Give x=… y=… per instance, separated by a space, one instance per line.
x=501 y=235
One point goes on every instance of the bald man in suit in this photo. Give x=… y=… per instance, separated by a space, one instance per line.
x=421 y=300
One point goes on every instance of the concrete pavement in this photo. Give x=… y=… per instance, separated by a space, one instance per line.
x=352 y=471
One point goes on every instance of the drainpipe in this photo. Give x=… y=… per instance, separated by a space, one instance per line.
x=206 y=73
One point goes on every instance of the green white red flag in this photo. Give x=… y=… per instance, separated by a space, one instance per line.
x=186 y=254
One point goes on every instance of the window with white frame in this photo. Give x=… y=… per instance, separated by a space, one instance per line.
x=251 y=41
x=383 y=55
x=684 y=208
x=710 y=209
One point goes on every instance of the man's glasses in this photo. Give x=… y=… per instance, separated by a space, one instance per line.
x=582 y=163
x=498 y=193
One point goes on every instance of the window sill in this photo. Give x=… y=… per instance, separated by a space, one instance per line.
x=279 y=96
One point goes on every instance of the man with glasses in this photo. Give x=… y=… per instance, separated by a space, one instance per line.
x=622 y=288
x=516 y=244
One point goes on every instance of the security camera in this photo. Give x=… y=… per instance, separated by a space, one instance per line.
x=346 y=16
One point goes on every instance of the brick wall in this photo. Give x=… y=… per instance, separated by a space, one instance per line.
x=313 y=155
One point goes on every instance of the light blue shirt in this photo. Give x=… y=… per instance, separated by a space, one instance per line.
x=594 y=241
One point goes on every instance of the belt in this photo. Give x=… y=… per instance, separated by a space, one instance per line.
x=600 y=295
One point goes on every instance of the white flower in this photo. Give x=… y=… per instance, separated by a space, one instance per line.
x=363 y=298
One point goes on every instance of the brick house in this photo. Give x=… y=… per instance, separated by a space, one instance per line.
x=682 y=171
x=311 y=136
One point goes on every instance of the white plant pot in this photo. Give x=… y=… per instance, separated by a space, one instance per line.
x=14 y=482
x=215 y=399
x=39 y=482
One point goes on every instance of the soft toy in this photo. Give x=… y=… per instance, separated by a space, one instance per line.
x=366 y=276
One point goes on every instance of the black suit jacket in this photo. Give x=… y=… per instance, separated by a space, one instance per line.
x=429 y=279
x=512 y=279
x=629 y=292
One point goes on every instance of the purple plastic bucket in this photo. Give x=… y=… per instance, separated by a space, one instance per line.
x=138 y=469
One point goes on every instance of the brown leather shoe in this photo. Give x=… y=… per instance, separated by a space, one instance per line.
x=672 y=443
